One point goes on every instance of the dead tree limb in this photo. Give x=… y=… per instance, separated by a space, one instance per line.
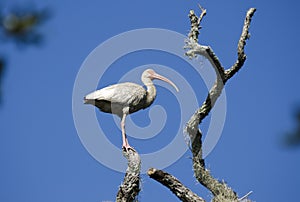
x=220 y=190
x=130 y=187
x=181 y=191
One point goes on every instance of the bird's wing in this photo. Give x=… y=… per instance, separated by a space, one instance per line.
x=122 y=93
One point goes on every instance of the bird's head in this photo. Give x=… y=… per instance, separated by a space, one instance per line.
x=150 y=74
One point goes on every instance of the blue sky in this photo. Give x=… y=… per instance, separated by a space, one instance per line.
x=41 y=155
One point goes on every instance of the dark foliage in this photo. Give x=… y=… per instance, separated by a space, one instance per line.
x=22 y=26
x=292 y=139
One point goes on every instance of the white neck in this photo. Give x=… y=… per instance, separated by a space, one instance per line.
x=151 y=90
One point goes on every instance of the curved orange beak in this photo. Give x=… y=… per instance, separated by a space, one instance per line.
x=155 y=75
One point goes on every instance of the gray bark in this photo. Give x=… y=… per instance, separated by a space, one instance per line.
x=130 y=187
x=219 y=189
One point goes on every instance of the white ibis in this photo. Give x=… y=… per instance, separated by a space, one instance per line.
x=126 y=98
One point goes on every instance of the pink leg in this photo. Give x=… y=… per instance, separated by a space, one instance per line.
x=125 y=145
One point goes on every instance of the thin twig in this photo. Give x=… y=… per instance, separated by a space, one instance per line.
x=130 y=187
x=203 y=13
x=244 y=198
x=168 y=180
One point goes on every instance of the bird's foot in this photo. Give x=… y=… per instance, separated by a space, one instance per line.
x=127 y=147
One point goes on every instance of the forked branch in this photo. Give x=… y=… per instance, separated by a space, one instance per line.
x=220 y=190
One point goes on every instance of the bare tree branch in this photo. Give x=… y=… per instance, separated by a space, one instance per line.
x=194 y=32
x=222 y=75
x=203 y=13
x=182 y=192
x=130 y=187
x=241 y=45
x=245 y=198
x=220 y=190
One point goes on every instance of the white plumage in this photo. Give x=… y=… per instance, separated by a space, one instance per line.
x=126 y=98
